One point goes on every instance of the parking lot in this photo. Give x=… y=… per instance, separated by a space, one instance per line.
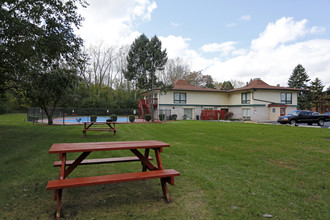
x=326 y=125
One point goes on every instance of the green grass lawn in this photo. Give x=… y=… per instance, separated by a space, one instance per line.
x=228 y=171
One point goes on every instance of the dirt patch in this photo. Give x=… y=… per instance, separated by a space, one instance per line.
x=286 y=165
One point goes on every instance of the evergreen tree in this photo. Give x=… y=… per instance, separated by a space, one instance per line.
x=316 y=89
x=144 y=59
x=299 y=80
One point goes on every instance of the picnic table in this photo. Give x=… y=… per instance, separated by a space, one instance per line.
x=149 y=170
x=111 y=127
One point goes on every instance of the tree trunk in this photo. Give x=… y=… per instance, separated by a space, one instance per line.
x=152 y=99
x=49 y=116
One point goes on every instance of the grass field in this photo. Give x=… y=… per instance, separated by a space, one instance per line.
x=228 y=171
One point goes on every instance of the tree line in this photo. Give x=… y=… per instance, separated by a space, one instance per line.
x=44 y=64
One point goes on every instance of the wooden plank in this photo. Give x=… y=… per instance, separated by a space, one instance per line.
x=115 y=178
x=100 y=161
x=102 y=146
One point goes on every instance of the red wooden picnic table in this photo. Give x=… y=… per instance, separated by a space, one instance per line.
x=149 y=170
x=111 y=127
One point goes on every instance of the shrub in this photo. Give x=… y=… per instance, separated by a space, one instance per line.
x=161 y=117
x=174 y=117
x=228 y=115
x=147 y=117
x=93 y=118
x=131 y=118
x=113 y=117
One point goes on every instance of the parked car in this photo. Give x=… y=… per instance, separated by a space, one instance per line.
x=327 y=113
x=303 y=116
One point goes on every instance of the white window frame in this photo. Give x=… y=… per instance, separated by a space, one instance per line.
x=246 y=113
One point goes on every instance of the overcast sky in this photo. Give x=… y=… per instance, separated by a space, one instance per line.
x=237 y=39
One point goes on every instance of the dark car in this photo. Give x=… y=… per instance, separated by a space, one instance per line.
x=303 y=116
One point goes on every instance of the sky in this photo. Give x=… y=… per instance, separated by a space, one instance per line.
x=227 y=39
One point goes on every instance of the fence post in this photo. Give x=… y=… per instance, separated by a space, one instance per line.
x=63 y=116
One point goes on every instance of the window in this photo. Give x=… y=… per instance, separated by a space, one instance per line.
x=208 y=108
x=246 y=113
x=286 y=98
x=273 y=110
x=180 y=98
x=245 y=98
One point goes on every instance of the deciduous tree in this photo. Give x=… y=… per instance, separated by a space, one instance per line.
x=37 y=41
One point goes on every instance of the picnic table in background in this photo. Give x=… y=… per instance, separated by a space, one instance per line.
x=111 y=127
x=149 y=170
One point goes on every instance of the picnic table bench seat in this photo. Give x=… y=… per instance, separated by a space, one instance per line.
x=168 y=175
x=100 y=161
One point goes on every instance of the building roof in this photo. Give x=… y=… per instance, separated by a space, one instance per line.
x=182 y=85
x=259 y=84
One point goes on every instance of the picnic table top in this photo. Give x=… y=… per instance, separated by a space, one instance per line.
x=103 y=146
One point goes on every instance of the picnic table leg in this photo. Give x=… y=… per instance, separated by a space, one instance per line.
x=158 y=159
x=58 y=193
x=84 y=131
x=59 y=204
x=165 y=190
x=146 y=155
x=114 y=130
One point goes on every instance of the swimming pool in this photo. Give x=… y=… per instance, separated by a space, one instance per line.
x=83 y=119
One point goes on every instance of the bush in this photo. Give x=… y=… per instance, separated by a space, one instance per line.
x=161 y=117
x=113 y=117
x=93 y=118
x=228 y=115
x=147 y=117
x=131 y=118
x=174 y=117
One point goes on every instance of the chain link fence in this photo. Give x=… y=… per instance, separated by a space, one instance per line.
x=74 y=115
x=65 y=116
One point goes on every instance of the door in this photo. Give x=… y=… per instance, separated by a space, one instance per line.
x=188 y=113
x=282 y=111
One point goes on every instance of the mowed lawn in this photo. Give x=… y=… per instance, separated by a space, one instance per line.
x=228 y=171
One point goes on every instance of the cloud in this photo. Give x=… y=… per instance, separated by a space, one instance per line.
x=175 y=24
x=224 y=48
x=282 y=31
x=231 y=25
x=114 y=24
x=245 y=18
x=272 y=56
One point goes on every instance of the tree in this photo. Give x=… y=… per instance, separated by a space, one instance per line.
x=299 y=80
x=208 y=82
x=226 y=85
x=316 y=89
x=144 y=59
x=236 y=83
x=196 y=78
x=37 y=38
x=174 y=69
x=48 y=89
